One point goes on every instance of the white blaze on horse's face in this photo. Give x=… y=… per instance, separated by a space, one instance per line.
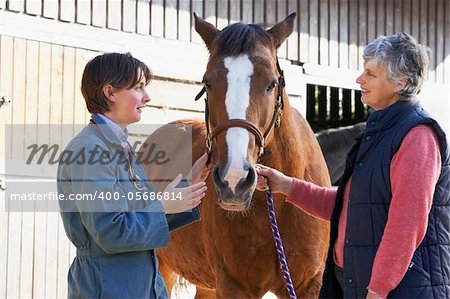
x=237 y=99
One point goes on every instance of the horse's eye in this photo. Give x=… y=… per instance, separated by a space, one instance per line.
x=272 y=86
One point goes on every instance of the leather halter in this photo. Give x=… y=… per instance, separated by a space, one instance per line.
x=243 y=123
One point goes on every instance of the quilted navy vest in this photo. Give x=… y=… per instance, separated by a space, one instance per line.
x=368 y=162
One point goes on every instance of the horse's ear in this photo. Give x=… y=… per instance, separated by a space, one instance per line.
x=206 y=30
x=282 y=30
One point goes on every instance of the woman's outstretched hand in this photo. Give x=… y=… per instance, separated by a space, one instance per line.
x=278 y=181
x=187 y=197
x=200 y=170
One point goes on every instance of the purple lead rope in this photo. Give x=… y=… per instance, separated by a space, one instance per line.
x=279 y=245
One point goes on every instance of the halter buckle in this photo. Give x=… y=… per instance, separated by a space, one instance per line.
x=208 y=143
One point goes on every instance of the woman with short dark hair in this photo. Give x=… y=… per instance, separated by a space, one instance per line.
x=118 y=229
x=390 y=216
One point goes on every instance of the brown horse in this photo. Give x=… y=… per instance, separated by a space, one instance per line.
x=230 y=253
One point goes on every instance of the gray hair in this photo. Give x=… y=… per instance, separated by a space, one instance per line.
x=402 y=56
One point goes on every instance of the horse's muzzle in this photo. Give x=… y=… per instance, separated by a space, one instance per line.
x=241 y=198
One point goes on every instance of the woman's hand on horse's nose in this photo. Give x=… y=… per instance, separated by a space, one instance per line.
x=200 y=170
x=186 y=198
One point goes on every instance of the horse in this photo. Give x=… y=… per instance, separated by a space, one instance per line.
x=231 y=253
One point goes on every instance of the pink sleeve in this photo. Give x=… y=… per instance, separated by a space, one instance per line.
x=315 y=200
x=415 y=169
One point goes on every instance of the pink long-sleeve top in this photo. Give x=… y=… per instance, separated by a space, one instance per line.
x=415 y=169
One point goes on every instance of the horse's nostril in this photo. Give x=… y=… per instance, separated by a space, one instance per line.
x=217 y=179
x=249 y=180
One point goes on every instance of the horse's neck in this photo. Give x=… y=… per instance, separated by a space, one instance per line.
x=285 y=144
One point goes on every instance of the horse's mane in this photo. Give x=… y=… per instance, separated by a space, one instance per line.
x=240 y=38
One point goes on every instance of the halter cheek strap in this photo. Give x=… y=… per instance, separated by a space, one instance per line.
x=260 y=138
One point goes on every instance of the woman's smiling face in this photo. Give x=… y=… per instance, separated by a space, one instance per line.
x=126 y=103
x=377 y=90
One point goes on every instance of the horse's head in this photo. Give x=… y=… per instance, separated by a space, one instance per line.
x=244 y=92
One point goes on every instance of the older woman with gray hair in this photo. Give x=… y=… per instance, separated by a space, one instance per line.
x=390 y=216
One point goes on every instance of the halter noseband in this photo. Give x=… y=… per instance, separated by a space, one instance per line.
x=243 y=123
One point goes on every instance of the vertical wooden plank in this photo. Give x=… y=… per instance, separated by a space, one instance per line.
x=44 y=85
x=31 y=110
x=13 y=256
x=129 y=16
x=381 y=17
x=292 y=42
x=197 y=7
x=27 y=258
x=270 y=14
x=281 y=15
x=371 y=20
x=398 y=16
x=415 y=19
x=314 y=31
x=235 y=10
x=19 y=103
x=51 y=278
x=423 y=21
x=157 y=18
x=258 y=12
x=210 y=11
x=114 y=14
x=63 y=260
x=18 y=117
x=222 y=14
x=69 y=83
x=447 y=46
x=143 y=17
x=67 y=10
x=99 y=13
x=343 y=33
x=389 y=17
x=50 y=9
x=56 y=87
x=31 y=86
x=324 y=33
x=440 y=39
x=15 y=5
x=4 y=229
x=353 y=38
x=32 y=7
x=80 y=105
x=303 y=15
x=247 y=11
x=40 y=221
x=6 y=86
x=170 y=19
x=56 y=84
x=6 y=89
x=362 y=32
x=334 y=33
x=407 y=20
x=432 y=38
x=184 y=21
x=39 y=245
x=83 y=9
x=2 y=6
